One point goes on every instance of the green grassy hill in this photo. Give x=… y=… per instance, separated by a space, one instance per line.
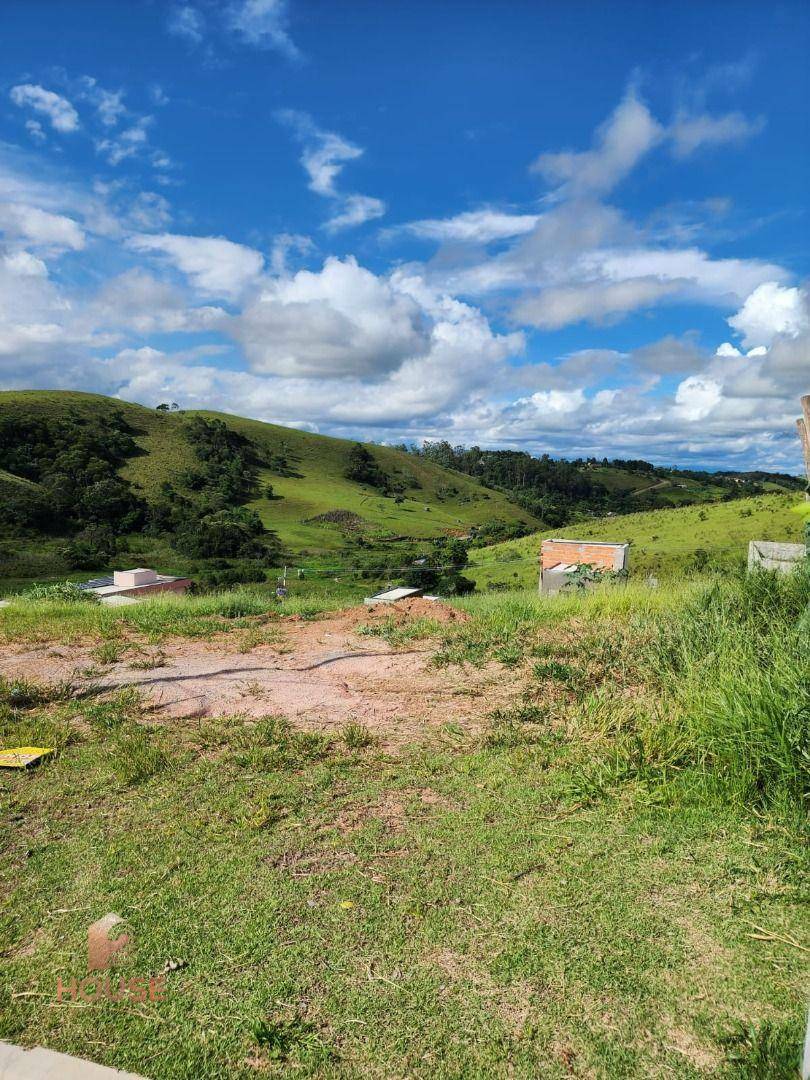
x=662 y=541
x=436 y=500
x=672 y=490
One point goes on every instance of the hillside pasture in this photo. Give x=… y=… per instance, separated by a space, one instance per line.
x=435 y=500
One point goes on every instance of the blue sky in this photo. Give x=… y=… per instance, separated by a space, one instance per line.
x=576 y=228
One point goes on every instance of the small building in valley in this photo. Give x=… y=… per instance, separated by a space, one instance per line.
x=559 y=559
x=128 y=586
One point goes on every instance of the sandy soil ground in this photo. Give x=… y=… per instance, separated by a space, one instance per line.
x=321 y=674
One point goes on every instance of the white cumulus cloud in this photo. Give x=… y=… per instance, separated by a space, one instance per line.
x=187 y=22
x=40 y=227
x=324 y=156
x=690 y=132
x=342 y=320
x=628 y=134
x=473 y=226
x=595 y=302
x=771 y=309
x=216 y=266
x=59 y=111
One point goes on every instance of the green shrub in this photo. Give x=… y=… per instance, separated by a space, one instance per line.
x=60 y=592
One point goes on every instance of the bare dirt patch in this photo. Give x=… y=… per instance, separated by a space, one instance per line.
x=321 y=675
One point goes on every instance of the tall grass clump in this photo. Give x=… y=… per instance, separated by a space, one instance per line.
x=502 y=624
x=136 y=755
x=66 y=592
x=733 y=668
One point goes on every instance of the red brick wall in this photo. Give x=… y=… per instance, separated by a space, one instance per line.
x=554 y=551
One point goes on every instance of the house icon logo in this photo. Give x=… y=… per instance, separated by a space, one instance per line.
x=100 y=946
x=99 y=985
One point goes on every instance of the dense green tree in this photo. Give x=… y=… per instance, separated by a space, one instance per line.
x=362 y=467
x=234 y=532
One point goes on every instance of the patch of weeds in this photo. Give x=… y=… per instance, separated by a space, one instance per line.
x=355 y=736
x=108 y=652
x=504 y=735
x=273 y=744
x=136 y=756
x=558 y=671
x=234 y=605
x=461 y=651
x=547 y=650
x=149 y=662
x=280 y=1038
x=517 y=726
x=24 y=694
x=270 y=809
x=399 y=633
x=61 y=592
x=124 y=706
x=252 y=688
x=51 y=729
x=525 y=714
x=453 y=732
x=414 y=630
x=768 y=1052
x=20 y=693
x=258 y=635
x=509 y=655
x=629 y=760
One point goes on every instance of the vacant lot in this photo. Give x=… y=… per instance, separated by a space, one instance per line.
x=320 y=673
x=572 y=849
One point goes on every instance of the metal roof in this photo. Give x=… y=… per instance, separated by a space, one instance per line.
x=95 y=583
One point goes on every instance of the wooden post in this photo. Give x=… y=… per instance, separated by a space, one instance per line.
x=803 y=424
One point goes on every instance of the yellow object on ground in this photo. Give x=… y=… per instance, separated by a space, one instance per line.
x=18 y=757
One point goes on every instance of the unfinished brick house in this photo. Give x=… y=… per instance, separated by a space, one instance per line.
x=559 y=558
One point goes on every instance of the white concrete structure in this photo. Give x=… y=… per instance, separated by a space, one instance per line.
x=133 y=585
x=769 y=555
x=390 y=596
x=129 y=579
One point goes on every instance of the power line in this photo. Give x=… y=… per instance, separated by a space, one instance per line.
x=489 y=565
x=404 y=569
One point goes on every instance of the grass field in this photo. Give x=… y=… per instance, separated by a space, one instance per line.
x=607 y=882
x=663 y=542
x=675 y=490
